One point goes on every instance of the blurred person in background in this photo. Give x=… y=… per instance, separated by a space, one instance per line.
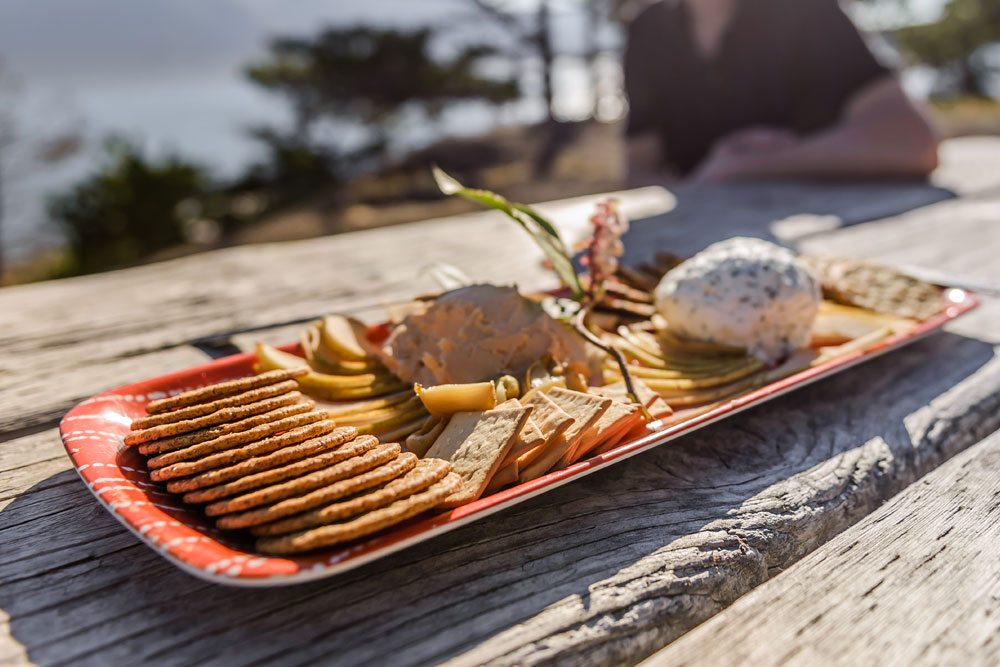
x=726 y=90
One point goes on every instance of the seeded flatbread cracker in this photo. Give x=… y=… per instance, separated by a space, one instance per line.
x=655 y=405
x=222 y=389
x=233 y=440
x=426 y=472
x=303 y=484
x=866 y=284
x=323 y=496
x=280 y=473
x=234 y=413
x=242 y=426
x=585 y=409
x=475 y=443
x=230 y=456
x=203 y=409
x=366 y=524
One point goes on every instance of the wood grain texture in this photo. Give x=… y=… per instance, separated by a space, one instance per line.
x=38 y=390
x=915 y=583
x=126 y=325
x=69 y=339
x=606 y=570
x=598 y=572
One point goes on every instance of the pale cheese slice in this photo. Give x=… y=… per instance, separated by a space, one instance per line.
x=421 y=441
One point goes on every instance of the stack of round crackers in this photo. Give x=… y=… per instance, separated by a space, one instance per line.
x=258 y=455
x=858 y=282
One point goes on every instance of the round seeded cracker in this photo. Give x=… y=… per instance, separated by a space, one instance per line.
x=345 y=470
x=218 y=390
x=265 y=462
x=206 y=434
x=426 y=472
x=366 y=524
x=233 y=440
x=203 y=409
x=865 y=284
x=323 y=496
x=234 y=413
x=230 y=456
x=274 y=475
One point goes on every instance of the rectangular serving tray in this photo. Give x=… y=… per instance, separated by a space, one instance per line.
x=93 y=433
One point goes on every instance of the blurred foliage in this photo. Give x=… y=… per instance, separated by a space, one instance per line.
x=290 y=170
x=133 y=207
x=128 y=210
x=955 y=44
x=372 y=75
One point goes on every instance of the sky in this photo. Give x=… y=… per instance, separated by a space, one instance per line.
x=167 y=73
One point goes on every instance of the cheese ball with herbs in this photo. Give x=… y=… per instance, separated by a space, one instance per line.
x=742 y=292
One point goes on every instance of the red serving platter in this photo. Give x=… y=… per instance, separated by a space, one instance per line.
x=93 y=433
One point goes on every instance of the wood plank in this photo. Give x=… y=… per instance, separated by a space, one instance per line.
x=128 y=325
x=107 y=318
x=957 y=235
x=222 y=290
x=41 y=389
x=606 y=570
x=968 y=165
x=602 y=571
x=30 y=449
x=914 y=583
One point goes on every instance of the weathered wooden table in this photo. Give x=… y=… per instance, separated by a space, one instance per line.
x=784 y=499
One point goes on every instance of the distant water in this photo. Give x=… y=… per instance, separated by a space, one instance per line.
x=167 y=73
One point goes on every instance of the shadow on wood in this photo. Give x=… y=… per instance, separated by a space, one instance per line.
x=604 y=570
x=781 y=212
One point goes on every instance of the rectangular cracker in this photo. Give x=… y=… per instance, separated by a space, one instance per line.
x=526 y=459
x=585 y=409
x=529 y=438
x=611 y=436
x=504 y=476
x=475 y=444
x=655 y=405
x=550 y=419
x=618 y=415
x=615 y=439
